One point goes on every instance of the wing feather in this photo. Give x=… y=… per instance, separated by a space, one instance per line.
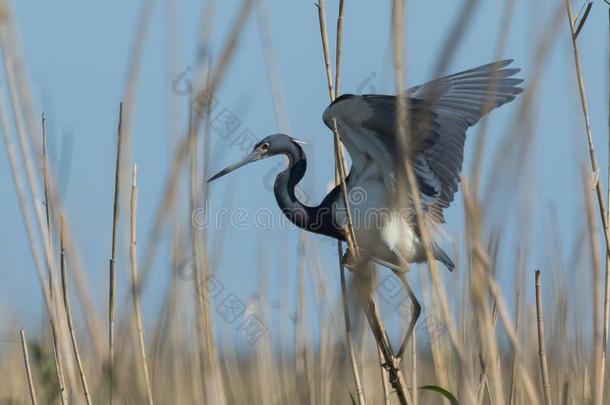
x=440 y=112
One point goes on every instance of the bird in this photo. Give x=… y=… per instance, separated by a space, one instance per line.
x=439 y=114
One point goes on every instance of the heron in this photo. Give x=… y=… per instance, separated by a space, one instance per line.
x=439 y=114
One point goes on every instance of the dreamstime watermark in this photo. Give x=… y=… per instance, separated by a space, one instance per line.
x=229 y=306
x=225 y=124
x=317 y=219
x=228 y=126
x=223 y=121
x=391 y=290
x=367 y=85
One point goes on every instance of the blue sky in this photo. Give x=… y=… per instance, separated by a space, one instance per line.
x=77 y=55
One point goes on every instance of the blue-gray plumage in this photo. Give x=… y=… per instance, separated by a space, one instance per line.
x=439 y=114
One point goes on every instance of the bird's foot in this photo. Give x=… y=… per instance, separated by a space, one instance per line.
x=393 y=364
x=393 y=368
x=348 y=259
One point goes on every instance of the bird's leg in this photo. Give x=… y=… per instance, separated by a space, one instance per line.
x=414 y=315
x=352 y=261
x=391 y=362
x=348 y=259
x=381 y=336
x=378 y=329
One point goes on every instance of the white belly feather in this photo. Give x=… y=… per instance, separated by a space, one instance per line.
x=382 y=231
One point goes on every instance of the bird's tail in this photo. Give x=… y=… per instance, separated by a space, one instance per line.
x=441 y=256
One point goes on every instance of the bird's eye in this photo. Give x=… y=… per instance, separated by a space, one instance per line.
x=265 y=147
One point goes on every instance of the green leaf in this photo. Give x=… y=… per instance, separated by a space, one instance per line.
x=452 y=399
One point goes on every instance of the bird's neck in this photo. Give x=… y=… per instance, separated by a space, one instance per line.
x=318 y=219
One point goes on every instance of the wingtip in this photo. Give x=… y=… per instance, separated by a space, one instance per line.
x=511 y=71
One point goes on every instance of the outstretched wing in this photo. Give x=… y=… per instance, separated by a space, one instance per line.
x=439 y=114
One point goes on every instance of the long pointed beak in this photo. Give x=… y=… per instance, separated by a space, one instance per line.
x=252 y=157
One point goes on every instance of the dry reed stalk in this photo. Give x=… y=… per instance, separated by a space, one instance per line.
x=350 y=339
x=327 y=349
x=56 y=318
x=598 y=351
x=210 y=364
x=181 y=152
x=200 y=289
x=544 y=368
x=277 y=91
x=25 y=146
x=303 y=365
x=66 y=300
x=323 y=362
x=513 y=385
x=414 y=387
x=325 y=47
x=390 y=361
x=18 y=75
x=28 y=369
x=332 y=92
x=408 y=174
x=125 y=138
x=59 y=369
x=598 y=327
x=341 y=175
x=510 y=329
x=479 y=266
x=607 y=275
x=513 y=337
x=340 y=178
x=180 y=360
x=130 y=87
x=237 y=395
x=208 y=351
x=162 y=345
x=133 y=259
x=172 y=60
x=204 y=78
x=45 y=180
x=84 y=294
x=262 y=368
x=266 y=364
x=27 y=215
x=441 y=369
x=25 y=120
x=514 y=136
x=385 y=384
x=402 y=117
x=323 y=300
x=287 y=384
x=455 y=36
x=199 y=239
x=509 y=7
x=112 y=262
x=56 y=357
x=588 y=132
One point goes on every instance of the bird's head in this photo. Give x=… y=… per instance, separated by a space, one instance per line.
x=272 y=145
